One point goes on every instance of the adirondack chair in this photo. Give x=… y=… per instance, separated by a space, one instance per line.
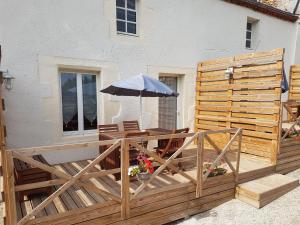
x=132 y=125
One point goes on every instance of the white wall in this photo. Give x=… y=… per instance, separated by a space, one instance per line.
x=174 y=35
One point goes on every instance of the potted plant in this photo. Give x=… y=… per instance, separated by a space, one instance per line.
x=144 y=168
x=291 y=134
x=216 y=171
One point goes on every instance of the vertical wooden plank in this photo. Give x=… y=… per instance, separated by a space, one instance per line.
x=229 y=102
x=125 y=180
x=197 y=103
x=10 y=201
x=200 y=150
x=237 y=169
x=279 y=130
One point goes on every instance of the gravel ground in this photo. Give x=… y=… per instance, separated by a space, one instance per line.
x=283 y=211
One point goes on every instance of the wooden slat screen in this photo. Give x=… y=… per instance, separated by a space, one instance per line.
x=294 y=84
x=250 y=99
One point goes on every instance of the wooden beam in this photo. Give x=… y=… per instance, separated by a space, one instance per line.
x=10 y=190
x=238 y=157
x=200 y=151
x=125 y=206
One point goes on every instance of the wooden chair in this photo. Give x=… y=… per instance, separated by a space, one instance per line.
x=112 y=160
x=28 y=174
x=133 y=152
x=132 y=125
x=108 y=128
x=167 y=147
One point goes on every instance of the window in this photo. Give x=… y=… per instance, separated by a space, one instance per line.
x=249 y=35
x=79 y=102
x=252 y=29
x=126 y=16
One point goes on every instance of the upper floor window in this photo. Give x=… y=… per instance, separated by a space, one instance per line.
x=251 y=32
x=249 y=35
x=126 y=16
x=79 y=102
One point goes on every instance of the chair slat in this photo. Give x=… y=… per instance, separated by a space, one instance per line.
x=131 y=125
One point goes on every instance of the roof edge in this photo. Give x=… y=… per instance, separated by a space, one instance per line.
x=266 y=9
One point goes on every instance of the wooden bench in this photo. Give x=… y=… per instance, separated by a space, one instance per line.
x=27 y=174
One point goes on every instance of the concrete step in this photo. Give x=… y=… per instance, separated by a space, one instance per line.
x=262 y=191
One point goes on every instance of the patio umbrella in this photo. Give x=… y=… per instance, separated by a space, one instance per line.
x=142 y=86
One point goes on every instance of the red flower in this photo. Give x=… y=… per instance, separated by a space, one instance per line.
x=149 y=166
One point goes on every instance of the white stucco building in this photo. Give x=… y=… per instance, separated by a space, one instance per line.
x=42 y=40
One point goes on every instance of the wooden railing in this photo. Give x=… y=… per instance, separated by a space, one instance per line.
x=127 y=195
x=293 y=118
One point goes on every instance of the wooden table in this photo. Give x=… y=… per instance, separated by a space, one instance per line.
x=27 y=174
x=113 y=161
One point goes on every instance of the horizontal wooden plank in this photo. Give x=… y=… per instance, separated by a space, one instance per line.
x=255 y=98
x=239 y=86
x=265 y=123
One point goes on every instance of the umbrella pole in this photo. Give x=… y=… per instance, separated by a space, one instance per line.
x=141 y=112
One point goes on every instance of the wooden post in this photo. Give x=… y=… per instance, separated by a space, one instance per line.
x=125 y=180
x=10 y=199
x=237 y=169
x=200 y=150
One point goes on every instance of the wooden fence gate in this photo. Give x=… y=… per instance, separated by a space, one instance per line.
x=242 y=92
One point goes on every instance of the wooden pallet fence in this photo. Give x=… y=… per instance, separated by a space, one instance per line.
x=248 y=99
x=294 y=83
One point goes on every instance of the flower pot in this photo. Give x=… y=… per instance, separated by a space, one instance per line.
x=216 y=172
x=143 y=176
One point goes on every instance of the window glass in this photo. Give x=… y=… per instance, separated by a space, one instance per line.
x=121 y=14
x=131 y=4
x=69 y=101
x=248 y=44
x=121 y=3
x=89 y=101
x=131 y=28
x=248 y=35
x=249 y=26
x=121 y=26
x=131 y=16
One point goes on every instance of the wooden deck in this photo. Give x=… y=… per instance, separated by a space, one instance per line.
x=168 y=195
x=78 y=198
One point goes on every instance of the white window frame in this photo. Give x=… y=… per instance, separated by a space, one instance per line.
x=251 y=33
x=81 y=130
x=126 y=21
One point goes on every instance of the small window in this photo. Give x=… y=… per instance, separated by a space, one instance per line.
x=79 y=102
x=249 y=35
x=126 y=16
x=251 y=32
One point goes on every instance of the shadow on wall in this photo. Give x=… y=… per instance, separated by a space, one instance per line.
x=129 y=110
